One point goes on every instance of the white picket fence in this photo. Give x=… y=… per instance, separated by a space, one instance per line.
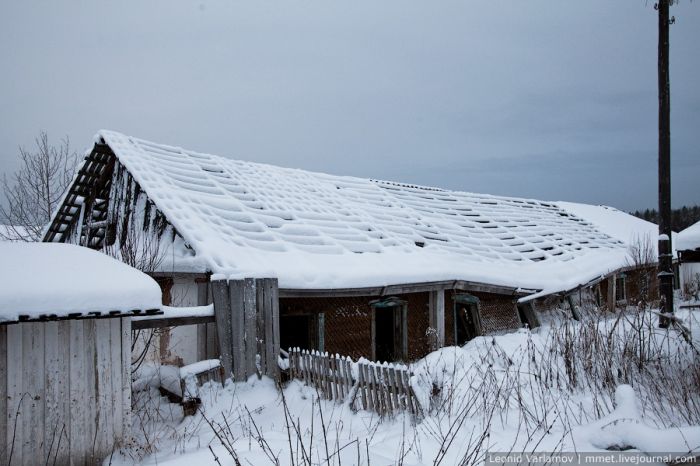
x=382 y=388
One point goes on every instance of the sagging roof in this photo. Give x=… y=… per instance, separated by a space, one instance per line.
x=44 y=281
x=320 y=231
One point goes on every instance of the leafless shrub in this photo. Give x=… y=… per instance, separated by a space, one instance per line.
x=642 y=262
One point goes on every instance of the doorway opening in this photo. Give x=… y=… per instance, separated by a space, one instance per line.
x=466 y=318
x=389 y=330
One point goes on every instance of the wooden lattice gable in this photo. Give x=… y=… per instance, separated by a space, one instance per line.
x=87 y=198
x=325 y=231
x=106 y=209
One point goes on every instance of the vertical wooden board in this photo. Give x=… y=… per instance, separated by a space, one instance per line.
x=237 y=313
x=212 y=340
x=56 y=410
x=90 y=400
x=78 y=394
x=349 y=381
x=125 y=365
x=399 y=389
x=222 y=314
x=273 y=347
x=115 y=367
x=3 y=394
x=410 y=399
x=15 y=399
x=104 y=417
x=33 y=383
x=361 y=385
x=250 y=319
x=63 y=448
x=378 y=388
x=391 y=388
x=260 y=324
x=612 y=282
x=338 y=376
x=432 y=320
x=201 y=328
x=376 y=397
x=440 y=305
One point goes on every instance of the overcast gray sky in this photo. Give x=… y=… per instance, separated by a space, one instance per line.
x=546 y=99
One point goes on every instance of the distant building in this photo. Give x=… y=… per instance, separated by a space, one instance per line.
x=688 y=247
x=369 y=268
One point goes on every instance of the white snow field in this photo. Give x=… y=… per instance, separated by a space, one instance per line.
x=55 y=280
x=314 y=230
x=594 y=386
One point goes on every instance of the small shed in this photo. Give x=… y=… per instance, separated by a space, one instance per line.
x=688 y=247
x=65 y=351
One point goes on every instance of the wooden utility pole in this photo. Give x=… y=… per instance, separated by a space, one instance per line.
x=665 y=246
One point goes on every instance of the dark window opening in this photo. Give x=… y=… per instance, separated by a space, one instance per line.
x=620 y=294
x=297 y=331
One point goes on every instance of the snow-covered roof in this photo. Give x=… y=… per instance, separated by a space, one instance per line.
x=320 y=231
x=689 y=239
x=62 y=280
x=631 y=230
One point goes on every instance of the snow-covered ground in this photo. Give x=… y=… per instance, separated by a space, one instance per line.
x=614 y=384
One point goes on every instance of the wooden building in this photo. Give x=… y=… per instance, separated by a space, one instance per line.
x=65 y=352
x=688 y=247
x=368 y=268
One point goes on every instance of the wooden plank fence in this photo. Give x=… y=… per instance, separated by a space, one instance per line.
x=247 y=321
x=382 y=388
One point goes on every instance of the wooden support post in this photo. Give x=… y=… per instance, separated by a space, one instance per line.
x=273 y=339
x=612 y=281
x=574 y=309
x=436 y=317
x=224 y=329
x=665 y=246
x=260 y=324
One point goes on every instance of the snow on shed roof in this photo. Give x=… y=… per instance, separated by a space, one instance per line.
x=689 y=239
x=62 y=280
x=313 y=230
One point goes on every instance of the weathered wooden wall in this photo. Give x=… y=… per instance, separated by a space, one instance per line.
x=65 y=390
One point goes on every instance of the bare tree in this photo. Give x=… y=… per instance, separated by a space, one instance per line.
x=34 y=190
x=642 y=262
